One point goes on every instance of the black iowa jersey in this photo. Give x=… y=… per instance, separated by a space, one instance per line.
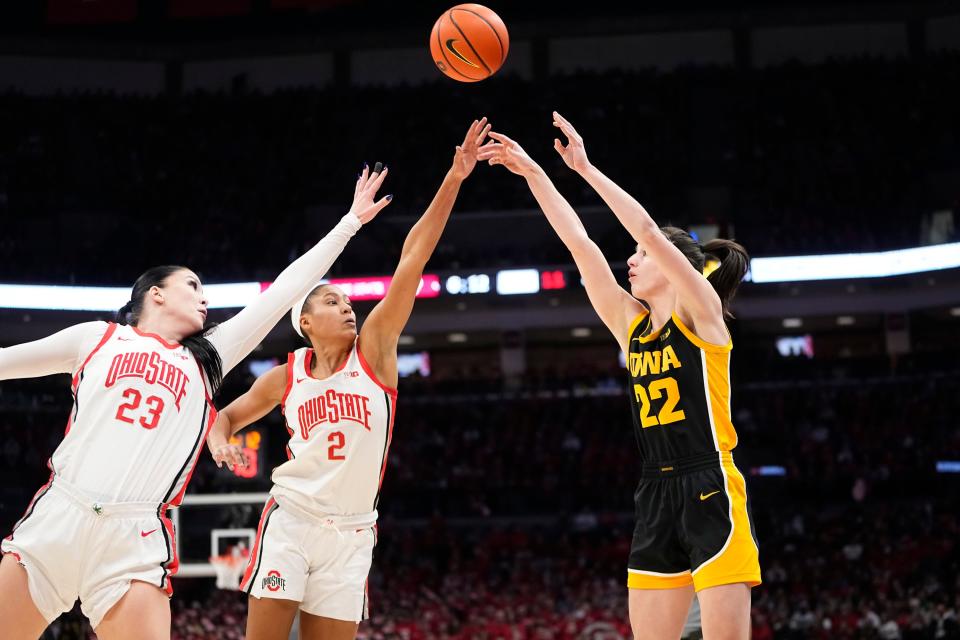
x=679 y=392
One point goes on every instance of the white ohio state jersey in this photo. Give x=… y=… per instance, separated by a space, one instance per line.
x=340 y=429
x=140 y=414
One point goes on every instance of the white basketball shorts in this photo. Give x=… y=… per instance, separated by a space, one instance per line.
x=321 y=563
x=73 y=547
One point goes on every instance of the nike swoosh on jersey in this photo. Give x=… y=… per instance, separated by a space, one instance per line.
x=704 y=497
x=452 y=49
x=144 y=534
x=299 y=380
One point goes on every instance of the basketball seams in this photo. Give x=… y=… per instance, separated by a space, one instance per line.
x=492 y=28
x=470 y=44
x=439 y=28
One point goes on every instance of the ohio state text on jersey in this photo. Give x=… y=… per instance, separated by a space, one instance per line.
x=140 y=414
x=340 y=429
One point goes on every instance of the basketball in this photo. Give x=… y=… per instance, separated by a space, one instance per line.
x=469 y=42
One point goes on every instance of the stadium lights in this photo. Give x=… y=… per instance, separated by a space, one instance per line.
x=769 y=470
x=506 y=282
x=72 y=298
x=221 y=296
x=839 y=266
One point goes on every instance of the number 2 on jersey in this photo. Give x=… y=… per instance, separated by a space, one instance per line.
x=150 y=419
x=667 y=413
x=336 y=436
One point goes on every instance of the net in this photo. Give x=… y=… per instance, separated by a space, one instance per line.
x=229 y=567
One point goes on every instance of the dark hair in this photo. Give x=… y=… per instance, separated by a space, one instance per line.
x=733 y=258
x=203 y=351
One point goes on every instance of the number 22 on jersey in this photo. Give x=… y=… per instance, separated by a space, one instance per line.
x=654 y=391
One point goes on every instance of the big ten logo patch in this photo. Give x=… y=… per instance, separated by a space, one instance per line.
x=273 y=582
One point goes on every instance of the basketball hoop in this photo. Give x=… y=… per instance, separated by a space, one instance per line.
x=229 y=568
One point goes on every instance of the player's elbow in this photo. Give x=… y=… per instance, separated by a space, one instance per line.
x=579 y=243
x=646 y=232
x=412 y=264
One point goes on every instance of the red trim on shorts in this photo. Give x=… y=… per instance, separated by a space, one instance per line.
x=291 y=358
x=173 y=565
x=144 y=334
x=14 y=554
x=26 y=513
x=369 y=371
x=247 y=574
x=111 y=328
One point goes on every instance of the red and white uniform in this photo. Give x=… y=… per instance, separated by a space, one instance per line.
x=137 y=428
x=340 y=429
x=140 y=400
x=140 y=415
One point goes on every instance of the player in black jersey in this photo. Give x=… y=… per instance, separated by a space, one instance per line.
x=693 y=531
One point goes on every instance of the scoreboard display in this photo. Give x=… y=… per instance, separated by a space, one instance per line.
x=251 y=442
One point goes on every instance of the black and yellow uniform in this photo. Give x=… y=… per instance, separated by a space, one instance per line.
x=692 y=521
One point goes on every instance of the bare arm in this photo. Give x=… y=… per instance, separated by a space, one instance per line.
x=695 y=294
x=382 y=328
x=61 y=352
x=265 y=394
x=238 y=336
x=615 y=306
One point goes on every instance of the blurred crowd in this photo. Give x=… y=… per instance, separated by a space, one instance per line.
x=506 y=511
x=789 y=159
x=882 y=571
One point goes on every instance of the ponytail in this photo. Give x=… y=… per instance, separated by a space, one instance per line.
x=203 y=351
x=121 y=317
x=732 y=257
x=206 y=356
x=734 y=262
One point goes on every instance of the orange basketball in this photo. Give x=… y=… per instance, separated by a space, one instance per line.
x=469 y=42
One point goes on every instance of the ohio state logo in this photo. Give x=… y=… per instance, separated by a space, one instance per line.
x=273 y=582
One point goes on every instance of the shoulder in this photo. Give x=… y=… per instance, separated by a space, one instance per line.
x=94 y=328
x=383 y=373
x=709 y=334
x=90 y=334
x=635 y=318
